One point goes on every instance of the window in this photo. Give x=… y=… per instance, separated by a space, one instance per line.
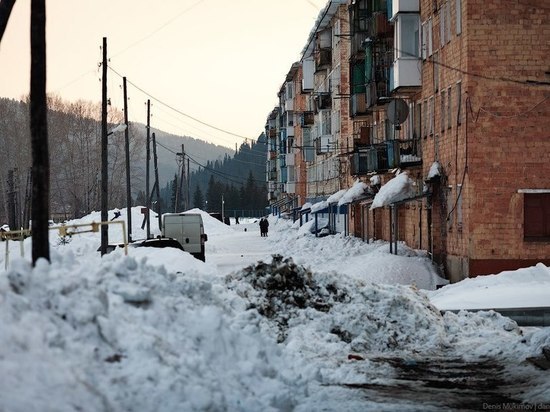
x=443 y=110
x=448 y=19
x=442 y=31
x=418 y=120
x=459 y=218
x=406 y=39
x=449 y=109
x=431 y=119
x=436 y=71
x=536 y=209
x=430 y=37
x=458 y=5
x=425 y=118
x=450 y=207
x=424 y=40
x=458 y=103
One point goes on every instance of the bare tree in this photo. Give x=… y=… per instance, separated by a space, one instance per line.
x=39 y=134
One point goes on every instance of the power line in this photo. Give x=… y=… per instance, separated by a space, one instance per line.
x=179 y=111
x=170 y=21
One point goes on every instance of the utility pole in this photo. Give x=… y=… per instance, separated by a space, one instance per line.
x=148 y=155
x=39 y=134
x=104 y=159
x=182 y=179
x=11 y=201
x=188 y=184
x=157 y=192
x=127 y=149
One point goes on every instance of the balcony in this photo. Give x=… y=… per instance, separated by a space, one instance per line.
x=289 y=105
x=290 y=131
x=272 y=175
x=322 y=144
x=290 y=187
x=358 y=104
x=307 y=119
x=384 y=156
x=272 y=133
x=323 y=101
x=375 y=91
x=272 y=155
x=323 y=59
x=405 y=73
x=402 y=6
x=379 y=26
x=290 y=159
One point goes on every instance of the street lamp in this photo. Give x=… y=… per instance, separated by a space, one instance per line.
x=105 y=188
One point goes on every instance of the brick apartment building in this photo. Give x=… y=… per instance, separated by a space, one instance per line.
x=459 y=87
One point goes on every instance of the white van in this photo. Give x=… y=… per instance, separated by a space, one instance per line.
x=188 y=229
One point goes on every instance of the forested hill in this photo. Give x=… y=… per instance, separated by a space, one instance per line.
x=239 y=179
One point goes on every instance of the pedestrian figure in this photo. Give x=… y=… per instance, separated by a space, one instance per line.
x=236 y=220
x=264 y=224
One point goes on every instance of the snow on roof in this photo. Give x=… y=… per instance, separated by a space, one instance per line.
x=355 y=192
x=435 y=170
x=335 y=197
x=399 y=188
x=375 y=180
x=317 y=207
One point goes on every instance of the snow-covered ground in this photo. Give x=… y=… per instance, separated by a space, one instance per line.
x=320 y=326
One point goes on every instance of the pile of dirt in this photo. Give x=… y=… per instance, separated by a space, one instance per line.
x=279 y=289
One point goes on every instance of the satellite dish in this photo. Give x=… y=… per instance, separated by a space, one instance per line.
x=398 y=110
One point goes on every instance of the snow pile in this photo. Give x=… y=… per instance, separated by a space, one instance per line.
x=126 y=334
x=335 y=197
x=317 y=207
x=399 y=188
x=306 y=206
x=212 y=226
x=435 y=170
x=526 y=287
x=356 y=191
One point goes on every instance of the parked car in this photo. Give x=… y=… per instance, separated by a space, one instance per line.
x=158 y=242
x=188 y=229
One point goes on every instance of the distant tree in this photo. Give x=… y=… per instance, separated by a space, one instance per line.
x=198 y=198
x=140 y=199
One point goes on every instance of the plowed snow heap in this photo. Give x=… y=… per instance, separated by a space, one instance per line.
x=280 y=288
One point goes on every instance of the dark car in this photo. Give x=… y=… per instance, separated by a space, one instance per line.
x=159 y=242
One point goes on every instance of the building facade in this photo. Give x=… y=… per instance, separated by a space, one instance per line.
x=455 y=93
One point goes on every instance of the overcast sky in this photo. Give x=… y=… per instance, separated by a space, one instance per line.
x=219 y=61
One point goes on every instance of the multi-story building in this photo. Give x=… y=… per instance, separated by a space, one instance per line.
x=456 y=94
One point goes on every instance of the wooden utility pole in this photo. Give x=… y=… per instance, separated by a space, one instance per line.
x=157 y=191
x=104 y=155
x=127 y=149
x=148 y=155
x=182 y=179
x=39 y=134
x=188 y=189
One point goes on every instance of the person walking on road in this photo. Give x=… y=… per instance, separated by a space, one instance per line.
x=264 y=224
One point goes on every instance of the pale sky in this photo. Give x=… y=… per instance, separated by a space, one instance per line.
x=220 y=61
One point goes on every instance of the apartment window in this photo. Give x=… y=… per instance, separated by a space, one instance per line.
x=417 y=130
x=442 y=31
x=449 y=109
x=424 y=40
x=443 y=110
x=431 y=117
x=459 y=216
x=448 y=19
x=430 y=37
x=425 y=118
x=406 y=39
x=435 y=64
x=450 y=207
x=458 y=103
x=536 y=209
x=458 y=6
